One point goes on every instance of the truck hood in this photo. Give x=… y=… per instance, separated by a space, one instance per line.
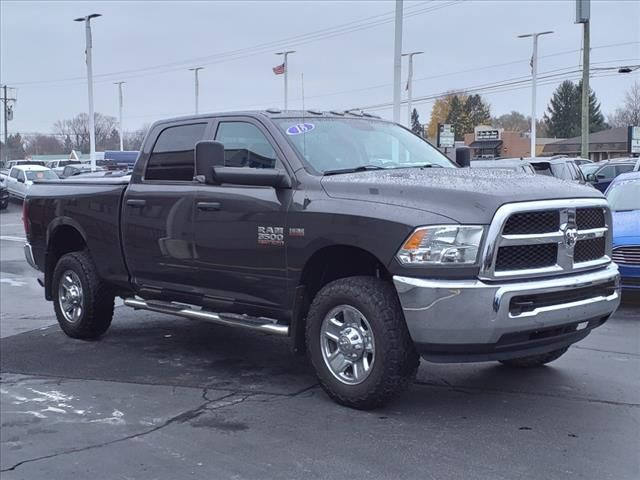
x=462 y=194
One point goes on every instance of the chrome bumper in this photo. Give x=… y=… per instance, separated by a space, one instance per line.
x=477 y=313
x=28 y=254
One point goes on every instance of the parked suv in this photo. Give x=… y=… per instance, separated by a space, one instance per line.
x=564 y=168
x=601 y=174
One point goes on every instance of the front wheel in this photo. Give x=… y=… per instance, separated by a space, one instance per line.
x=535 y=360
x=83 y=303
x=358 y=342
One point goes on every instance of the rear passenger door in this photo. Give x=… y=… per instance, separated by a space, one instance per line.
x=240 y=230
x=157 y=213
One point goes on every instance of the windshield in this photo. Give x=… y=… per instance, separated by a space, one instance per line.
x=624 y=195
x=40 y=175
x=335 y=144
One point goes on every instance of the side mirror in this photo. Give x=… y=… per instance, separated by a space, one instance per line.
x=208 y=155
x=21 y=180
x=590 y=177
x=601 y=176
x=260 y=177
x=463 y=156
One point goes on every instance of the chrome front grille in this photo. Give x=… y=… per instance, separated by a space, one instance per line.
x=547 y=238
x=627 y=255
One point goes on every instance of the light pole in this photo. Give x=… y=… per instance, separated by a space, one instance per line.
x=195 y=70
x=120 y=113
x=410 y=84
x=92 y=126
x=534 y=79
x=285 y=54
x=397 y=62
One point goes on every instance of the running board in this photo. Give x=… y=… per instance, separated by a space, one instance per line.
x=232 y=320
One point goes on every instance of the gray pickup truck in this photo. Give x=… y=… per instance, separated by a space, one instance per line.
x=349 y=234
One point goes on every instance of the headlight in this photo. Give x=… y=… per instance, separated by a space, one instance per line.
x=442 y=245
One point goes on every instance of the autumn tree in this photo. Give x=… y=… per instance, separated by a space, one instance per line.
x=439 y=114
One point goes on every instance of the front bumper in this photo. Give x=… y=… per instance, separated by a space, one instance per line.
x=472 y=320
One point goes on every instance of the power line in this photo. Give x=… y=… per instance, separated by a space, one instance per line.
x=349 y=27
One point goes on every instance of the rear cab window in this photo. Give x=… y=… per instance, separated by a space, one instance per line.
x=172 y=157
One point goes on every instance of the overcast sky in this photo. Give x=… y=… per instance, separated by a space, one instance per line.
x=151 y=45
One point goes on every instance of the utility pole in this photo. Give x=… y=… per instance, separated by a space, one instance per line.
x=89 y=46
x=397 y=65
x=534 y=81
x=583 y=15
x=120 y=99
x=584 y=150
x=410 y=84
x=195 y=70
x=285 y=54
x=5 y=100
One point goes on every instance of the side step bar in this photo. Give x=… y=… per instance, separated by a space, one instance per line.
x=232 y=320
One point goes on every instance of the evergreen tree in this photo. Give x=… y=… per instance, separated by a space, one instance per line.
x=478 y=113
x=416 y=126
x=458 y=117
x=564 y=120
x=596 y=118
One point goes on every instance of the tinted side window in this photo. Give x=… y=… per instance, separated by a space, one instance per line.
x=623 y=169
x=245 y=146
x=172 y=155
x=608 y=172
x=20 y=175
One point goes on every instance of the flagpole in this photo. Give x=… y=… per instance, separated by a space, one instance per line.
x=285 y=54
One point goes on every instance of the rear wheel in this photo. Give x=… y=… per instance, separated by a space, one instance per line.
x=358 y=342
x=83 y=303
x=535 y=360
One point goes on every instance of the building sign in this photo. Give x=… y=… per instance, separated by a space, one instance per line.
x=446 y=135
x=487 y=133
x=634 y=140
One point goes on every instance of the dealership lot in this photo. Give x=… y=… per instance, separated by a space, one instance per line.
x=162 y=397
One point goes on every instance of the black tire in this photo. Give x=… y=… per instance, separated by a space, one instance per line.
x=534 y=361
x=396 y=362
x=96 y=301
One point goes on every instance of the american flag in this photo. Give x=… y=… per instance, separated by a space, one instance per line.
x=279 y=69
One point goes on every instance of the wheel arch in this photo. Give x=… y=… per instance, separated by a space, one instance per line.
x=63 y=236
x=325 y=265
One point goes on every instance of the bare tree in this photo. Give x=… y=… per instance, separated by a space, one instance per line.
x=133 y=140
x=629 y=113
x=41 y=144
x=77 y=130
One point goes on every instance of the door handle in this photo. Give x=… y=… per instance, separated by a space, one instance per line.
x=136 y=203
x=209 y=206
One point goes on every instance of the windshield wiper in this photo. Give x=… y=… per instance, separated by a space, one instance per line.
x=360 y=168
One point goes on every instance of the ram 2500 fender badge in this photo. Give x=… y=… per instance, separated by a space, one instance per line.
x=271 y=236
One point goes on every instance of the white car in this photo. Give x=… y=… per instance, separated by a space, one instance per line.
x=21 y=177
x=58 y=165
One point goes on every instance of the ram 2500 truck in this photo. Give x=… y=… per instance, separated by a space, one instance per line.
x=349 y=234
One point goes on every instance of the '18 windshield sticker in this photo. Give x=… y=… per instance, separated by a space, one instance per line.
x=300 y=128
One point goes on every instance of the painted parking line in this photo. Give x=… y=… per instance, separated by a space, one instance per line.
x=11 y=238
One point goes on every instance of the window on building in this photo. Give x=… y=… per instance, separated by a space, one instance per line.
x=172 y=157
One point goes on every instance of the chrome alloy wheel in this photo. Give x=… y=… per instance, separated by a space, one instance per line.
x=70 y=296
x=347 y=344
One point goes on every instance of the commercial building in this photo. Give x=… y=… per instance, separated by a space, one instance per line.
x=612 y=143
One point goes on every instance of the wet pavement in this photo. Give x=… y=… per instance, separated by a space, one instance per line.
x=167 y=398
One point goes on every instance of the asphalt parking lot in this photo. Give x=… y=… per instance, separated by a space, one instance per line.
x=167 y=398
